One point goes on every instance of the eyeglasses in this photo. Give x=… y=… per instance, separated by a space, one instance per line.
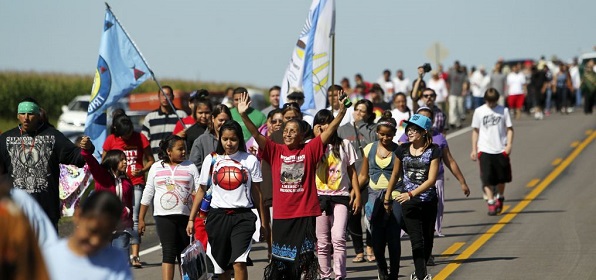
x=429 y=95
x=276 y=121
x=412 y=130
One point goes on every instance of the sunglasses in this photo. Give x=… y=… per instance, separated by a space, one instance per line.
x=429 y=95
x=276 y=121
x=291 y=105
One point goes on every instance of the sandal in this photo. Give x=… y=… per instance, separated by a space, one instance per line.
x=371 y=258
x=136 y=262
x=358 y=259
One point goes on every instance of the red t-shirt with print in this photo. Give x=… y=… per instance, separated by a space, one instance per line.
x=293 y=173
x=133 y=149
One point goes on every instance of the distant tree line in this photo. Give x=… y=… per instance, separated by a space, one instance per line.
x=53 y=90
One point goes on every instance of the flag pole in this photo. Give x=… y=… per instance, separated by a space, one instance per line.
x=333 y=59
x=147 y=64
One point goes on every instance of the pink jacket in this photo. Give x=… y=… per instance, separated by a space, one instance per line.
x=104 y=181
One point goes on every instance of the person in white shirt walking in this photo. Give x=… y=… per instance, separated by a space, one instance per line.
x=492 y=137
x=170 y=183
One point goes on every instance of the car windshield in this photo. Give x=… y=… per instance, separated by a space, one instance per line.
x=79 y=106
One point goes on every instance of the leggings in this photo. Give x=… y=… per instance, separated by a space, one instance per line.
x=419 y=217
x=171 y=230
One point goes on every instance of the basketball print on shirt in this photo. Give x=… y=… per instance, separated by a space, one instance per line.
x=229 y=174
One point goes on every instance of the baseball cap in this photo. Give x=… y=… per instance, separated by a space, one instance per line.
x=420 y=121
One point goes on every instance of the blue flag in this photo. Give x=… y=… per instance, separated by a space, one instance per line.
x=309 y=67
x=120 y=69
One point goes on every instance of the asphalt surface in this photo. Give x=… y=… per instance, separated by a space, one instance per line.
x=545 y=232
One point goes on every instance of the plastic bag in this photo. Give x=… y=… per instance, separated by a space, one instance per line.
x=194 y=262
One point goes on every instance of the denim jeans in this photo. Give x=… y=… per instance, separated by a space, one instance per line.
x=138 y=194
x=121 y=240
x=549 y=95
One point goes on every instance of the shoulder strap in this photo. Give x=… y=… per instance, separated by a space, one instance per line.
x=213 y=158
x=357 y=135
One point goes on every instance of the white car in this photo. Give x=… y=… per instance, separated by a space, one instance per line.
x=74 y=115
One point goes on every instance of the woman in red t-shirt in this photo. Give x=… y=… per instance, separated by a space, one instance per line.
x=137 y=149
x=295 y=201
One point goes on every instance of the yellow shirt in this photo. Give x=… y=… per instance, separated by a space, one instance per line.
x=383 y=181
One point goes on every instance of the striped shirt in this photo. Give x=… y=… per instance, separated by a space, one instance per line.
x=158 y=125
x=169 y=187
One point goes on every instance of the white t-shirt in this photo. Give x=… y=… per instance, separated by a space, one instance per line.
x=231 y=179
x=478 y=84
x=348 y=117
x=170 y=188
x=515 y=83
x=400 y=117
x=404 y=85
x=440 y=88
x=388 y=88
x=492 y=124
x=332 y=173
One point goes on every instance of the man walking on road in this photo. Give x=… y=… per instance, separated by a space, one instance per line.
x=160 y=123
x=492 y=137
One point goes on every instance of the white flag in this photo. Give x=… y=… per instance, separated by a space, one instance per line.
x=310 y=63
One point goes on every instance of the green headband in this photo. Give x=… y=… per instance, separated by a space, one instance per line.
x=28 y=107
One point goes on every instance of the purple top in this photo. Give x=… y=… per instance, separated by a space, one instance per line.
x=438 y=139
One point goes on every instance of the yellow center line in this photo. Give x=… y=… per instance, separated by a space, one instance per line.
x=574 y=144
x=507 y=217
x=557 y=161
x=533 y=183
x=505 y=208
x=452 y=249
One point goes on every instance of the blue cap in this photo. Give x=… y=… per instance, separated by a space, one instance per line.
x=419 y=120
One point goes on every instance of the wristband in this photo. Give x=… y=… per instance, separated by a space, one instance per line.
x=191 y=220
x=410 y=194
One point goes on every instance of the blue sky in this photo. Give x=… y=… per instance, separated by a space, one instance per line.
x=250 y=42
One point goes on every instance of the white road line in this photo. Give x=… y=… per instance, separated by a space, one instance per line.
x=150 y=250
x=459 y=132
x=449 y=136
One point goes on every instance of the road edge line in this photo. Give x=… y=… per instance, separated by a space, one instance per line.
x=485 y=237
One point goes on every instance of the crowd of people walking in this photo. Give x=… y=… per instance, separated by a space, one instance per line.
x=314 y=180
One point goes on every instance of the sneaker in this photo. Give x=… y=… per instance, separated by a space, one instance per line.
x=431 y=261
x=382 y=274
x=413 y=276
x=492 y=209
x=499 y=204
x=428 y=277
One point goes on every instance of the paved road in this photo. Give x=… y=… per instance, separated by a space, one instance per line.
x=545 y=232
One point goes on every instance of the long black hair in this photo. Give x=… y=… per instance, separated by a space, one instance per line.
x=324 y=117
x=122 y=125
x=218 y=109
x=168 y=144
x=112 y=159
x=102 y=203
x=233 y=126
x=388 y=121
x=201 y=99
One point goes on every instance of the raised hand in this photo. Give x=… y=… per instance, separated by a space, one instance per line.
x=86 y=144
x=244 y=103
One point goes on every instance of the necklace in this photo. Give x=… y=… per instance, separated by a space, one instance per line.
x=383 y=156
x=417 y=151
